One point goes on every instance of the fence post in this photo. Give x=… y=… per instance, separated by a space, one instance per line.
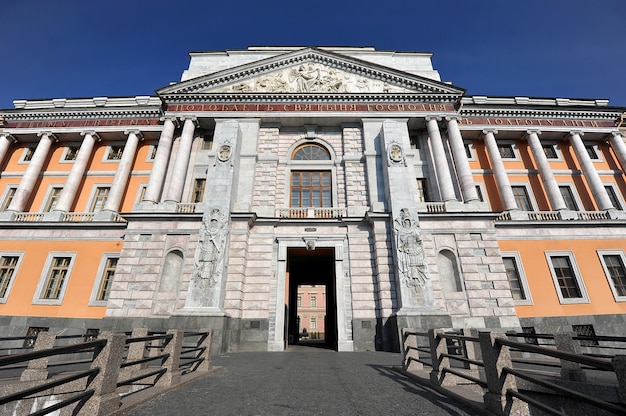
x=108 y=359
x=496 y=357
x=172 y=363
x=205 y=365
x=474 y=353
x=619 y=366
x=438 y=346
x=410 y=354
x=38 y=369
x=564 y=341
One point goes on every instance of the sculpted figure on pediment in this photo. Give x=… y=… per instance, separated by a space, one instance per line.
x=312 y=78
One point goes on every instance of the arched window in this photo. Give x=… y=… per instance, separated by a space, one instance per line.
x=448 y=272
x=311 y=152
x=310 y=186
x=172 y=268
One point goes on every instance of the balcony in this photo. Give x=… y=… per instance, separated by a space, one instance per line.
x=311 y=213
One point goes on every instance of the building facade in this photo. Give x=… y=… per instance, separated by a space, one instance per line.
x=359 y=171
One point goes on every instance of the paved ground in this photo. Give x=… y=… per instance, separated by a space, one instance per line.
x=303 y=382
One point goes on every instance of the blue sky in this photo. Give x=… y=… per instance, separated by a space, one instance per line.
x=538 y=48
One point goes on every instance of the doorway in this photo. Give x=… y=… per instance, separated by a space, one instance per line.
x=311 y=318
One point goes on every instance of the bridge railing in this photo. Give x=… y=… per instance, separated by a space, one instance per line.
x=119 y=365
x=506 y=376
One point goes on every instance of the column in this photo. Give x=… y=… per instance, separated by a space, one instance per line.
x=159 y=165
x=590 y=173
x=123 y=172
x=24 y=189
x=617 y=143
x=5 y=142
x=547 y=177
x=468 y=187
x=179 y=171
x=441 y=162
x=76 y=173
x=502 y=180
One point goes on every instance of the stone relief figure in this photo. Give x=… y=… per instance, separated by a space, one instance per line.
x=411 y=257
x=209 y=257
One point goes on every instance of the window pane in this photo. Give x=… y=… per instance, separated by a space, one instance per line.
x=107 y=279
x=7 y=268
x=550 y=151
x=613 y=197
x=311 y=152
x=565 y=277
x=316 y=202
x=506 y=151
x=517 y=290
x=306 y=198
x=521 y=197
x=615 y=267
x=56 y=277
x=310 y=189
x=568 y=197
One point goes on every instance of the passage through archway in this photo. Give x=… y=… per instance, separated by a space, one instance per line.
x=311 y=317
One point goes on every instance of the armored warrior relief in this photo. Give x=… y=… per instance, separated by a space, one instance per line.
x=209 y=258
x=411 y=257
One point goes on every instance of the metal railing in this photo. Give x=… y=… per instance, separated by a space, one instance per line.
x=120 y=364
x=506 y=376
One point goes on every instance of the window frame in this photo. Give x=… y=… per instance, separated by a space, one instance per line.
x=67 y=151
x=93 y=197
x=7 y=197
x=596 y=150
x=575 y=197
x=577 y=276
x=529 y=195
x=514 y=148
x=20 y=256
x=97 y=286
x=48 y=201
x=38 y=299
x=27 y=154
x=468 y=145
x=312 y=166
x=108 y=151
x=517 y=259
x=617 y=194
x=195 y=189
x=557 y=152
x=609 y=278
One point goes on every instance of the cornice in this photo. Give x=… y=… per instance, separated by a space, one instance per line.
x=78 y=114
x=306 y=97
x=579 y=113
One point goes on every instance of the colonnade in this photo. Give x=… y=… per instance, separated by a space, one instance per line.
x=158 y=190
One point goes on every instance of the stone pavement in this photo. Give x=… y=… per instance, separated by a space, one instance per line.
x=303 y=382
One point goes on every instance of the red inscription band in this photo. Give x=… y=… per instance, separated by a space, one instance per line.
x=381 y=107
x=83 y=123
x=536 y=122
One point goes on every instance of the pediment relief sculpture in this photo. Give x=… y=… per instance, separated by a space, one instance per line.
x=312 y=78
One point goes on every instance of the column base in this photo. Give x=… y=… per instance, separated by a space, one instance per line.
x=7 y=216
x=105 y=216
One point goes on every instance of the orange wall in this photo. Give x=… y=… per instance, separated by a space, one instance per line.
x=80 y=284
x=541 y=285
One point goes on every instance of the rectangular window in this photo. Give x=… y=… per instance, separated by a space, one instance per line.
x=568 y=197
x=99 y=199
x=311 y=189
x=71 y=152
x=521 y=198
x=8 y=265
x=207 y=142
x=313 y=302
x=613 y=196
x=152 y=152
x=569 y=284
x=8 y=197
x=56 y=278
x=115 y=152
x=198 y=190
x=586 y=331
x=506 y=151
x=479 y=192
x=550 y=151
x=468 y=150
x=613 y=264
x=299 y=301
x=107 y=279
x=592 y=152
x=313 y=323
x=512 y=272
x=53 y=198
x=27 y=156
x=422 y=190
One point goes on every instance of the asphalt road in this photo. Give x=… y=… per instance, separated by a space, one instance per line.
x=303 y=383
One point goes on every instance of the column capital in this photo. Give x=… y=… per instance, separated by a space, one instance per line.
x=92 y=133
x=531 y=131
x=454 y=117
x=135 y=132
x=492 y=131
x=192 y=118
x=617 y=133
x=433 y=117
x=578 y=132
x=9 y=137
x=173 y=119
x=49 y=135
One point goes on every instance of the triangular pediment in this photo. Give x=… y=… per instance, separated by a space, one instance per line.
x=310 y=71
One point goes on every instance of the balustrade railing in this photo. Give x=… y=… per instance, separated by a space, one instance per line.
x=314 y=213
